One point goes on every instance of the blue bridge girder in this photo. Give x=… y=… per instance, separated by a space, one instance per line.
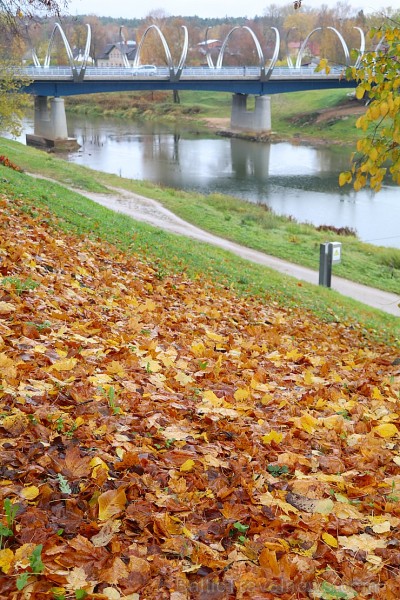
x=59 y=81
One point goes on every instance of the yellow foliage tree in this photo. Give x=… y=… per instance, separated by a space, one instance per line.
x=378 y=80
x=12 y=103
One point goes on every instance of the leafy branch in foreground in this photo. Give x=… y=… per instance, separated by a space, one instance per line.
x=378 y=151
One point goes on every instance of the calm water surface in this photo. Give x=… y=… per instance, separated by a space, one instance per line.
x=301 y=181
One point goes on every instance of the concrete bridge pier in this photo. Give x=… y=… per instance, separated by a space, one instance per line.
x=254 y=121
x=50 y=125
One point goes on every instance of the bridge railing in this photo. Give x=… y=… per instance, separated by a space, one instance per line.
x=251 y=72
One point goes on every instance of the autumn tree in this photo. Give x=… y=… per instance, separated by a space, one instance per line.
x=15 y=9
x=378 y=81
x=12 y=13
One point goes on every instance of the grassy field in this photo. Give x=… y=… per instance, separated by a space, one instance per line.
x=171 y=253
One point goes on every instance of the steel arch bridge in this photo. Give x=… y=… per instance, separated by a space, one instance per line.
x=262 y=79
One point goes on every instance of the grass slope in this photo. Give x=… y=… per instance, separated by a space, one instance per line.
x=248 y=224
x=171 y=253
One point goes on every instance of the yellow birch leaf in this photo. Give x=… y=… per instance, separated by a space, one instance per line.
x=6 y=559
x=386 y=430
x=272 y=436
x=330 y=540
x=79 y=421
x=384 y=108
x=30 y=493
x=360 y=91
x=111 y=503
x=187 y=466
x=189 y=534
x=344 y=178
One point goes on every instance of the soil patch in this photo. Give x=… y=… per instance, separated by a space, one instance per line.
x=330 y=115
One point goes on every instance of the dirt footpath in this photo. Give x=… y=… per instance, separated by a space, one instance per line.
x=150 y=211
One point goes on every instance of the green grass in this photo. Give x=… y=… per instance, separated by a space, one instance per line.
x=171 y=253
x=293 y=115
x=248 y=224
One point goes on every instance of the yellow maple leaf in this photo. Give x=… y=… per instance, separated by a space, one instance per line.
x=241 y=394
x=76 y=579
x=116 y=368
x=376 y=394
x=183 y=379
x=212 y=398
x=187 y=466
x=6 y=559
x=306 y=422
x=198 y=348
x=308 y=377
x=99 y=379
x=272 y=436
x=293 y=354
x=7 y=366
x=6 y=308
x=65 y=364
x=151 y=365
x=23 y=554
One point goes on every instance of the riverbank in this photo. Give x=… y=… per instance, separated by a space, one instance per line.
x=247 y=224
x=348 y=109
x=318 y=117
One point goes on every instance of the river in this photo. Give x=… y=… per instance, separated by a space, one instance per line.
x=296 y=180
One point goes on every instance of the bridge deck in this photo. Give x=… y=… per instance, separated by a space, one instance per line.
x=59 y=81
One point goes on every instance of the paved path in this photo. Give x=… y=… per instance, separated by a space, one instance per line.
x=150 y=211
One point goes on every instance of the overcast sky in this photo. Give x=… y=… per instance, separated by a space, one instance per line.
x=203 y=8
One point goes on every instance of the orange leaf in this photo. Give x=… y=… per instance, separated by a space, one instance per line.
x=267 y=560
x=111 y=503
